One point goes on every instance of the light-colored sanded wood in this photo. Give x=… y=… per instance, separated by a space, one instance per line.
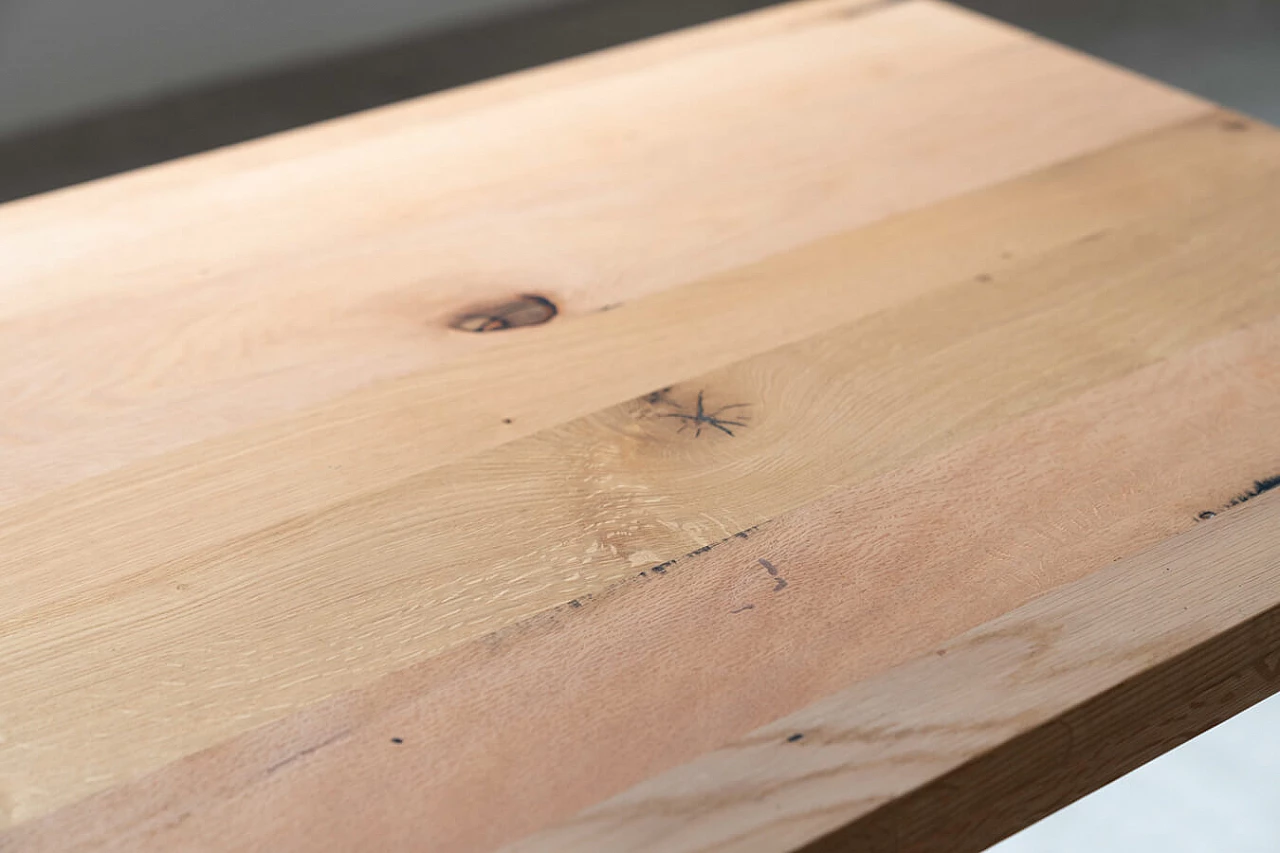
x=247 y=293
x=1077 y=687
x=1038 y=501
x=465 y=549
x=430 y=476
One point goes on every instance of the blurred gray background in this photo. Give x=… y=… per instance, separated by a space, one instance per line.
x=93 y=87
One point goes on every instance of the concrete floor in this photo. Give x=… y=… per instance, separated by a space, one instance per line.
x=1218 y=793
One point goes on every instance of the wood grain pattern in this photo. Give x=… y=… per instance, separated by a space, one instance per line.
x=249 y=293
x=1186 y=435
x=513 y=446
x=462 y=550
x=1076 y=687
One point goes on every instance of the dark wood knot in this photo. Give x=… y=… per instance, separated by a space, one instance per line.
x=526 y=310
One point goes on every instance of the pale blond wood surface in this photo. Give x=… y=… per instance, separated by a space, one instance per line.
x=854 y=325
x=1191 y=624
x=229 y=297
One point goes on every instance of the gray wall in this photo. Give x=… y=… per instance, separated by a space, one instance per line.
x=62 y=58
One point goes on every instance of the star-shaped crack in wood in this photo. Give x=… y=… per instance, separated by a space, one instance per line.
x=701 y=417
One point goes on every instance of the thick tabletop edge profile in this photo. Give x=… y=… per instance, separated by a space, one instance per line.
x=1093 y=679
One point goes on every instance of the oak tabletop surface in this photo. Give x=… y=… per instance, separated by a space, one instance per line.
x=851 y=424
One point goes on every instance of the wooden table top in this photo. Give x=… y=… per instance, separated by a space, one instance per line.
x=849 y=421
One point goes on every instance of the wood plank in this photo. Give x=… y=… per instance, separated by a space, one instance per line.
x=711 y=323
x=450 y=555
x=851 y=326
x=242 y=294
x=1080 y=686
x=305 y=463
x=1046 y=500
